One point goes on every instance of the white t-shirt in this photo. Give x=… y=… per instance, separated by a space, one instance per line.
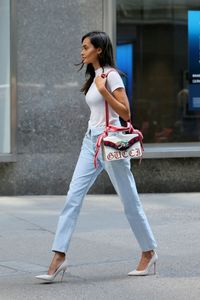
x=96 y=101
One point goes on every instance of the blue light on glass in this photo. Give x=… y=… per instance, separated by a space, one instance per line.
x=124 y=58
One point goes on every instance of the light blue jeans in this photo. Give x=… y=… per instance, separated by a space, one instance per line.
x=123 y=181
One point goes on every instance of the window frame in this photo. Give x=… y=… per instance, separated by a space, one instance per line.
x=11 y=157
x=157 y=150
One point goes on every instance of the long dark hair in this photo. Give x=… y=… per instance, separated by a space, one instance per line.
x=98 y=39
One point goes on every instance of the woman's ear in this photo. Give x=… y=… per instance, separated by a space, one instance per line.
x=99 y=51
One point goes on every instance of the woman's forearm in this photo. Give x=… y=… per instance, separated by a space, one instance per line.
x=120 y=108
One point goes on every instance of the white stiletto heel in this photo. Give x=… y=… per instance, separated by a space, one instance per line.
x=154 y=268
x=152 y=262
x=50 y=278
x=63 y=275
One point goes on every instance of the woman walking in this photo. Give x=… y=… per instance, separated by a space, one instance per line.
x=97 y=55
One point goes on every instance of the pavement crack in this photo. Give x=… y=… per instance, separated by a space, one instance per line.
x=31 y=223
x=9 y=268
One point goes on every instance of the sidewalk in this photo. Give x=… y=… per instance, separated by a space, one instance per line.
x=102 y=251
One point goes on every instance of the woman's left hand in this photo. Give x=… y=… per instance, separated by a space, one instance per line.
x=100 y=83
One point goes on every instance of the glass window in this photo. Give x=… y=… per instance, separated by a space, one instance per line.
x=5 y=76
x=152 y=35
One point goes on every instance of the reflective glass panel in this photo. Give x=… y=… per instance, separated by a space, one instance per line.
x=158 y=79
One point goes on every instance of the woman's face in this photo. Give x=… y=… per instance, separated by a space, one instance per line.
x=89 y=53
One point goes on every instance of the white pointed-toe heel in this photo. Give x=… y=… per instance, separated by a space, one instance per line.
x=50 y=278
x=144 y=272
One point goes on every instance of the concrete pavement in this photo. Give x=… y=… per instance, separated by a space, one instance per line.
x=102 y=251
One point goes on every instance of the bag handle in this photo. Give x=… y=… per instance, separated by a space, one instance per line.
x=105 y=75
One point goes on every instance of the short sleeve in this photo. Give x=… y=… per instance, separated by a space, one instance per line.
x=114 y=81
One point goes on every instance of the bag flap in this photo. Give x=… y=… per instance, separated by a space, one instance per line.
x=121 y=142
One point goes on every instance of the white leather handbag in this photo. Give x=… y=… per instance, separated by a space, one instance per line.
x=122 y=146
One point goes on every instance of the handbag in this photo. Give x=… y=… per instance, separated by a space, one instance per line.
x=122 y=146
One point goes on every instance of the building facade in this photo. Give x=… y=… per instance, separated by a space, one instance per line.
x=43 y=115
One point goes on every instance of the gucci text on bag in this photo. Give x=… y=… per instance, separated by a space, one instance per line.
x=122 y=146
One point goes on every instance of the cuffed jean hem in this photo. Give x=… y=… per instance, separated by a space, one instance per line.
x=58 y=250
x=149 y=249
